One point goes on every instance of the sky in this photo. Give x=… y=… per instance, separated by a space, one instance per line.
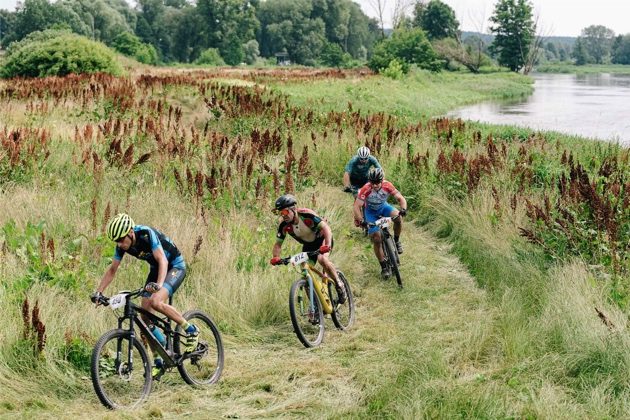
x=555 y=17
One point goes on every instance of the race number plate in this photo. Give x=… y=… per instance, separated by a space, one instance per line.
x=300 y=258
x=117 y=301
x=383 y=222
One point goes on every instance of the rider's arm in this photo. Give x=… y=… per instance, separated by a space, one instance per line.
x=356 y=209
x=326 y=232
x=275 y=252
x=108 y=276
x=160 y=257
x=401 y=200
x=346 y=179
x=374 y=162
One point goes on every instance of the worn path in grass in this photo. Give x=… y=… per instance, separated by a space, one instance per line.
x=407 y=349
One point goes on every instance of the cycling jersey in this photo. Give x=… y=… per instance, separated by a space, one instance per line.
x=306 y=230
x=148 y=240
x=358 y=171
x=375 y=199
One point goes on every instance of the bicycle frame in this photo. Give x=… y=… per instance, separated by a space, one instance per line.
x=317 y=281
x=131 y=313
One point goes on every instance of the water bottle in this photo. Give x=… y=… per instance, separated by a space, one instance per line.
x=158 y=335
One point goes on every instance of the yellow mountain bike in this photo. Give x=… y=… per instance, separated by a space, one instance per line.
x=313 y=295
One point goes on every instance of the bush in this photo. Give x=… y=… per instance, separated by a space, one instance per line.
x=333 y=56
x=130 y=45
x=408 y=46
x=394 y=70
x=58 y=54
x=210 y=57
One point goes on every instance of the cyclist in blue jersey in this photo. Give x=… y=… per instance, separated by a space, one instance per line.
x=166 y=274
x=356 y=171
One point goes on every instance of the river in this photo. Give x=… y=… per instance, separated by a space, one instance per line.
x=589 y=105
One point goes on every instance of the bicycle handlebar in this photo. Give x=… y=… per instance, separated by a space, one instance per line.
x=393 y=218
x=287 y=260
x=104 y=300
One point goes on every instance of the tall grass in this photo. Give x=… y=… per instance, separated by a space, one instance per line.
x=493 y=322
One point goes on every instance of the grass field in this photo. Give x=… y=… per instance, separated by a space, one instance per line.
x=511 y=248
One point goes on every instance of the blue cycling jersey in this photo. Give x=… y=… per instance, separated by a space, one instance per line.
x=359 y=170
x=149 y=239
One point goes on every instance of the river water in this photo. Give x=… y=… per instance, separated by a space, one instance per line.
x=591 y=105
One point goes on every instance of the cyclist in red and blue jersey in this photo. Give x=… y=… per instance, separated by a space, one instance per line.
x=306 y=227
x=372 y=199
x=356 y=170
x=166 y=274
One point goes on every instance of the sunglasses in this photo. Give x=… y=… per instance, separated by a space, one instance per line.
x=283 y=212
x=119 y=241
x=363 y=160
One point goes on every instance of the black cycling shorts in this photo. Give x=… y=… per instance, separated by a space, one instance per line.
x=174 y=278
x=314 y=246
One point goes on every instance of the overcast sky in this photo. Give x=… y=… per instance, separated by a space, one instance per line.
x=556 y=17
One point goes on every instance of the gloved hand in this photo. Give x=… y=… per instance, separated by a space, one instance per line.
x=324 y=249
x=95 y=297
x=152 y=287
x=275 y=261
x=402 y=212
x=347 y=189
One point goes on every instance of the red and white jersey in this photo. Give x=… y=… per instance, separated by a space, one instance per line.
x=375 y=199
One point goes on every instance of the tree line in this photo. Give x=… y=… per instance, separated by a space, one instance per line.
x=308 y=32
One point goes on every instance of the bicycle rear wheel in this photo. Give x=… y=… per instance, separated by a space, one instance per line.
x=121 y=378
x=343 y=314
x=204 y=365
x=392 y=258
x=307 y=317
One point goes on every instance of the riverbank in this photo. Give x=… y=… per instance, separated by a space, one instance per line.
x=586 y=69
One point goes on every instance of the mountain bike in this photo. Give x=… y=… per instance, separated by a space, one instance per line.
x=392 y=259
x=313 y=295
x=121 y=367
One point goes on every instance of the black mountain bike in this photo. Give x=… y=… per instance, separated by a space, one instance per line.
x=121 y=368
x=392 y=259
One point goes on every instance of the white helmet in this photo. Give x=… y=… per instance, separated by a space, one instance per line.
x=363 y=152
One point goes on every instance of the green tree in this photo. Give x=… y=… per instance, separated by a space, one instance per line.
x=251 y=50
x=621 y=50
x=228 y=25
x=128 y=44
x=579 y=53
x=333 y=56
x=437 y=19
x=514 y=31
x=103 y=20
x=286 y=25
x=598 y=40
x=407 y=47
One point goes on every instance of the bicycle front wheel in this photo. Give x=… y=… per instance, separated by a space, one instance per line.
x=204 y=365
x=392 y=257
x=121 y=372
x=307 y=317
x=343 y=314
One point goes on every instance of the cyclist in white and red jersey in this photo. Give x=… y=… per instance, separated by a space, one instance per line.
x=373 y=196
x=306 y=227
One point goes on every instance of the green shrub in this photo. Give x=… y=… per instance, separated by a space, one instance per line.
x=408 y=46
x=130 y=45
x=394 y=70
x=58 y=54
x=210 y=57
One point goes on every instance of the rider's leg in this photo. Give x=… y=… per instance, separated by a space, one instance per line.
x=378 y=248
